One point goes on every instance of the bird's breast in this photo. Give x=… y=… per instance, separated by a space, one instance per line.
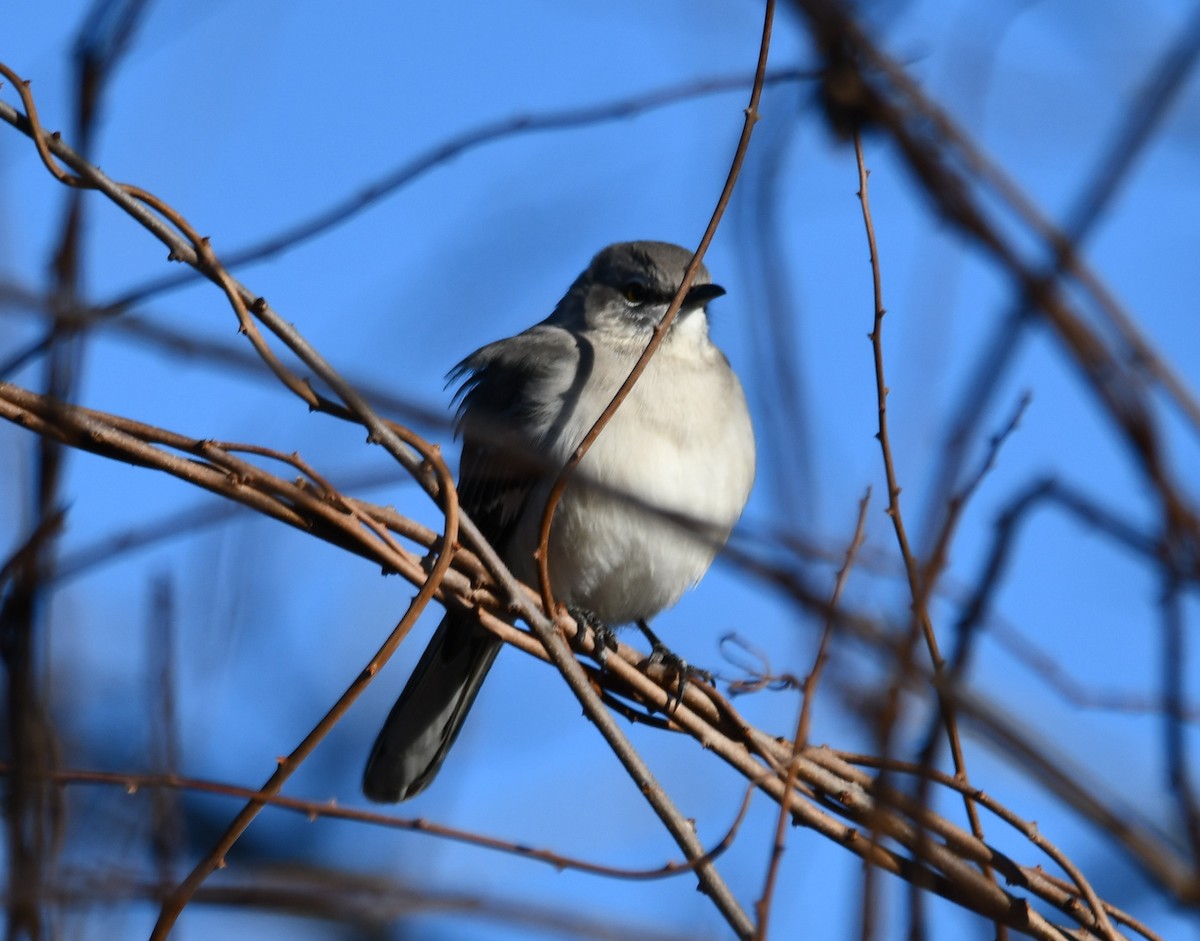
x=658 y=492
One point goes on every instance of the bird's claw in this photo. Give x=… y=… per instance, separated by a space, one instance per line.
x=684 y=672
x=606 y=637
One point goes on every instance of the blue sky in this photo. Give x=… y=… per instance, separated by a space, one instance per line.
x=248 y=117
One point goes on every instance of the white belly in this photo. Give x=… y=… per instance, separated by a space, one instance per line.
x=684 y=447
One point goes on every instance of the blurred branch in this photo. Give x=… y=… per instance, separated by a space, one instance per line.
x=396 y=179
x=975 y=609
x=1153 y=850
x=31 y=811
x=1056 y=676
x=863 y=87
x=163 y=337
x=167 y=825
x=1142 y=117
x=875 y=95
x=1174 y=693
x=133 y=784
x=357 y=900
x=800 y=738
x=782 y=402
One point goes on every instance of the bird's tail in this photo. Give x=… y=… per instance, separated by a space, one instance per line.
x=427 y=717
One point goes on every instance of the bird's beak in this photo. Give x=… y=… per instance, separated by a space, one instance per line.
x=700 y=294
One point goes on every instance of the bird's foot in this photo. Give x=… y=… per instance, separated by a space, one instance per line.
x=606 y=638
x=684 y=672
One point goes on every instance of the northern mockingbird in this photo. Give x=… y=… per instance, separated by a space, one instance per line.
x=680 y=444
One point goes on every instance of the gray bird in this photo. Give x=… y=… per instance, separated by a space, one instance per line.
x=681 y=444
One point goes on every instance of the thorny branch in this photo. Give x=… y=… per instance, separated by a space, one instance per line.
x=920 y=582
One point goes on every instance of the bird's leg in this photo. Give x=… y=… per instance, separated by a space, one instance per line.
x=606 y=638
x=658 y=650
x=660 y=653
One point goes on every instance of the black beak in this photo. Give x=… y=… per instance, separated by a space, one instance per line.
x=700 y=294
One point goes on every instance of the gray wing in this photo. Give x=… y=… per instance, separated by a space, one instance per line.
x=511 y=400
x=514 y=398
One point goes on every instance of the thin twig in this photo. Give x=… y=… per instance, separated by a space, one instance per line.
x=1174 y=695
x=134 y=783
x=921 y=624
x=800 y=738
x=396 y=179
x=660 y=331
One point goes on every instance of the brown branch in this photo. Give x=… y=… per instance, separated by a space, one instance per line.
x=394 y=180
x=168 y=836
x=173 y=905
x=888 y=99
x=133 y=783
x=1174 y=694
x=921 y=623
x=882 y=93
x=660 y=331
x=800 y=738
x=1027 y=829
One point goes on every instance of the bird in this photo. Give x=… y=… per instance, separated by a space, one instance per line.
x=680 y=447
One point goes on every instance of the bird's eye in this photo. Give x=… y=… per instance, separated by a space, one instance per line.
x=634 y=293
